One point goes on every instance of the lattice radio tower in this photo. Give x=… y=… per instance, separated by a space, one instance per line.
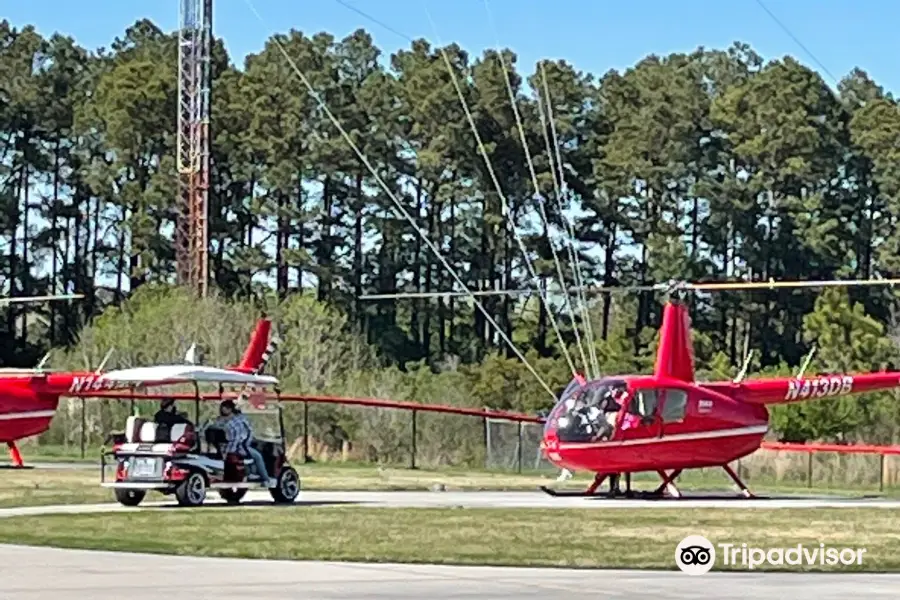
x=192 y=230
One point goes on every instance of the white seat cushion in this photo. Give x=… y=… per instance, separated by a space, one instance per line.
x=148 y=432
x=133 y=426
x=178 y=430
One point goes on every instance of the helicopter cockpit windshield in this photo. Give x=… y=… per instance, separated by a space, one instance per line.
x=587 y=413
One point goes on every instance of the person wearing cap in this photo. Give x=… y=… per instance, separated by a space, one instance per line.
x=239 y=434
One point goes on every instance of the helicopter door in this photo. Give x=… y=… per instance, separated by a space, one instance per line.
x=642 y=418
x=673 y=410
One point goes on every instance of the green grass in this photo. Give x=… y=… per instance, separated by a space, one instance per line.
x=46 y=486
x=522 y=537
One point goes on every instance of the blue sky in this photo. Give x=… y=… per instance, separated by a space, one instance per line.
x=595 y=35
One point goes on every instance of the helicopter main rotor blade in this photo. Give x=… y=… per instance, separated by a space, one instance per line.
x=772 y=284
x=404 y=295
x=29 y=299
x=657 y=287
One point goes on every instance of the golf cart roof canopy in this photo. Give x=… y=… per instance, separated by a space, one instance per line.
x=173 y=374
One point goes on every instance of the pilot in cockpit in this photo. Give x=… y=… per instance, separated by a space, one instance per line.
x=611 y=403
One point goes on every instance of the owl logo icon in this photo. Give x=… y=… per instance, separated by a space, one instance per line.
x=695 y=555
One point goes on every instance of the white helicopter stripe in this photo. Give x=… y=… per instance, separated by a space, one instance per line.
x=31 y=414
x=675 y=437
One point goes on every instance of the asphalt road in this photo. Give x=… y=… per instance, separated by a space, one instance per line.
x=35 y=574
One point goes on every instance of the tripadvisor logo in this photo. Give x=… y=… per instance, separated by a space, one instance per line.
x=696 y=555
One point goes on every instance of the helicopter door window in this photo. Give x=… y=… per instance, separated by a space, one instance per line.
x=674 y=406
x=643 y=405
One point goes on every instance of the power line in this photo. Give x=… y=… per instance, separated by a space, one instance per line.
x=797 y=41
x=366 y=15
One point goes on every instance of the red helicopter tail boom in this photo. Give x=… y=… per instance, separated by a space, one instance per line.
x=789 y=390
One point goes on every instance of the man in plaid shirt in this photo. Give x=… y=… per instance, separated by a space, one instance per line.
x=239 y=433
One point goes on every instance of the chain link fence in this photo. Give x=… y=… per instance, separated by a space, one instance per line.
x=515 y=446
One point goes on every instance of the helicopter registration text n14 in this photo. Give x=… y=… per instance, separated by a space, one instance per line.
x=819 y=387
x=91 y=383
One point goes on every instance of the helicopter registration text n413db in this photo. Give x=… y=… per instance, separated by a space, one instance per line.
x=819 y=387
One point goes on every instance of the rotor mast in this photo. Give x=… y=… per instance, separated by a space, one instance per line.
x=192 y=228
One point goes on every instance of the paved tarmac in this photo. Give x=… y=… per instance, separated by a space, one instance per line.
x=35 y=574
x=537 y=499
x=53 y=466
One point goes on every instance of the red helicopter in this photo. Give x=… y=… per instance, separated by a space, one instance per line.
x=668 y=422
x=29 y=397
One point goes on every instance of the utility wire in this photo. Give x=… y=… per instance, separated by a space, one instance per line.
x=797 y=41
x=362 y=157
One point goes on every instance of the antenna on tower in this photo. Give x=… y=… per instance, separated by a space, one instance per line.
x=192 y=230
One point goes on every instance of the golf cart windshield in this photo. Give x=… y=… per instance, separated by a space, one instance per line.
x=265 y=422
x=587 y=413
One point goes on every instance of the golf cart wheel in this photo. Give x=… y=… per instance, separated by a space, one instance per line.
x=233 y=495
x=288 y=487
x=191 y=491
x=130 y=497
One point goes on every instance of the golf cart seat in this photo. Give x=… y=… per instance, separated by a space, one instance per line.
x=215 y=436
x=178 y=431
x=133 y=426
x=142 y=431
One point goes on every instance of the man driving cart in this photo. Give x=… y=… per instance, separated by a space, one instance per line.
x=239 y=435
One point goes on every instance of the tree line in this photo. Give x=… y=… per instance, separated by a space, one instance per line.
x=709 y=165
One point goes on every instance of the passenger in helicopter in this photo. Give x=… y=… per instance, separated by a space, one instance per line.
x=588 y=414
x=640 y=411
x=568 y=422
x=577 y=424
x=604 y=404
x=630 y=421
x=610 y=405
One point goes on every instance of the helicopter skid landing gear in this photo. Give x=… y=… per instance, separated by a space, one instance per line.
x=667 y=485
x=666 y=489
x=745 y=491
x=15 y=456
x=590 y=492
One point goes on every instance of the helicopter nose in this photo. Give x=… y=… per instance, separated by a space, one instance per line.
x=550 y=446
